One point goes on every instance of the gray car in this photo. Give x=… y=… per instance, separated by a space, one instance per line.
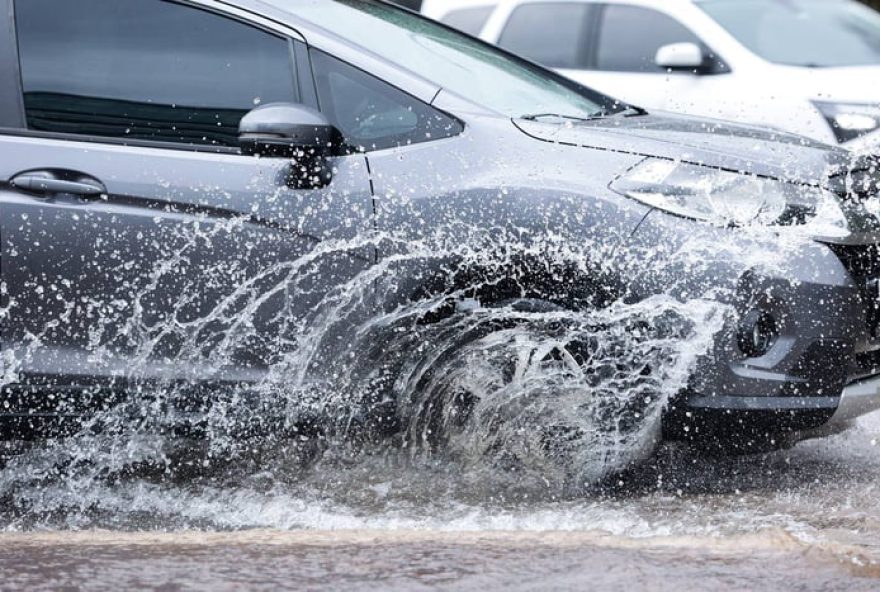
x=190 y=188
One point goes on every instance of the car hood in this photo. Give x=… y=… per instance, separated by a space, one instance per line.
x=843 y=84
x=705 y=142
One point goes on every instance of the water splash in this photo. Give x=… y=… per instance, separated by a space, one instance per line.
x=509 y=397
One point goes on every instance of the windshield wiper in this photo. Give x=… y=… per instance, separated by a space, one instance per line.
x=628 y=111
x=540 y=116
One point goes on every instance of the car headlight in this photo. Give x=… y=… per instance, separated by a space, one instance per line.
x=850 y=120
x=731 y=199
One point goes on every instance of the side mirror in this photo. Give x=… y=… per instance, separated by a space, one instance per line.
x=681 y=56
x=288 y=130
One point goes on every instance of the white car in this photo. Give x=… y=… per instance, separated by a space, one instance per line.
x=806 y=66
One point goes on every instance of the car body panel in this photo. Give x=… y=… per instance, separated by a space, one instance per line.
x=701 y=141
x=201 y=224
x=470 y=178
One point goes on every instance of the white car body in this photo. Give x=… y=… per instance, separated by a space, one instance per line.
x=754 y=91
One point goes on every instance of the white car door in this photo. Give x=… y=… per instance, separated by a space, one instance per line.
x=612 y=48
x=625 y=45
x=626 y=41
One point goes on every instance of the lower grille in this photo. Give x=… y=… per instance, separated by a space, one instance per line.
x=866 y=364
x=863 y=264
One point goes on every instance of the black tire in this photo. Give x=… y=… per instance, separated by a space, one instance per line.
x=517 y=388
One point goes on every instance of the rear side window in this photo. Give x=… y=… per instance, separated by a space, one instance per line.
x=468 y=20
x=629 y=37
x=554 y=34
x=146 y=69
x=371 y=113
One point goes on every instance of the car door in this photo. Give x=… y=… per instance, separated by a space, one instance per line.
x=611 y=48
x=137 y=241
x=624 y=48
x=557 y=35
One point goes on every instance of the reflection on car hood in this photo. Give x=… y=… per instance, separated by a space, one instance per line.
x=706 y=142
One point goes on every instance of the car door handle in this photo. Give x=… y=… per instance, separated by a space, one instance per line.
x=55 y=182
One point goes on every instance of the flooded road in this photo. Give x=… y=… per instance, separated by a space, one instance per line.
x=362 y=560
x=805 y=519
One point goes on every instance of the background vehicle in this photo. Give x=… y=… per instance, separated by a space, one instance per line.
x=411 y=4
x=177 y=177
x=801 y=66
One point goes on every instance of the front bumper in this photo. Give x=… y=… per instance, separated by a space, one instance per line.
x=833 y=379
x=823 y=369
x=858 y=399
x=760 y=423
x=868 y=144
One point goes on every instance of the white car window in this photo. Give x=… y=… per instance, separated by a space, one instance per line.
x=629 y=37
x=811 y=33
x=553 y=34
x=468 y=20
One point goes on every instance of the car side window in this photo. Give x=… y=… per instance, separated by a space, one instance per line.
x=629 y=37
x=372 y=114
x=146 y=70
x=554 y=34
x=468 y=20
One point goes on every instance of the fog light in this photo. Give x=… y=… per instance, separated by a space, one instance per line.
x=757 y=333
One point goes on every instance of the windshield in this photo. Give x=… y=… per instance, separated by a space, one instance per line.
x=811 y=33
x=453 y=61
